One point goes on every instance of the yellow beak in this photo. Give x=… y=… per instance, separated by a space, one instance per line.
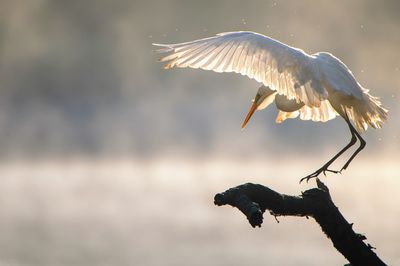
x=252 y=109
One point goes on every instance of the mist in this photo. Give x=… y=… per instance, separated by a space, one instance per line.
x=108 y=159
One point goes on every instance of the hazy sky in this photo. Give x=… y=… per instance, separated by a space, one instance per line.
x=81 y=77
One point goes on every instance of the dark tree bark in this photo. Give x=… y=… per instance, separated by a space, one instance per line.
x=253 y=199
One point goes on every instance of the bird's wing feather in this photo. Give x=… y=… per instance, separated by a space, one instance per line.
x=347 y=96
x=285 y=69
x=338 y=76
x=322 y=113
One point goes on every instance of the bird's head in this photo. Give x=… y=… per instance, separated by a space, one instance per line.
x=263 y=98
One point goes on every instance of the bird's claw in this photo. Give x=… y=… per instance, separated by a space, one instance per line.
x=313 y=175
x=318 y=172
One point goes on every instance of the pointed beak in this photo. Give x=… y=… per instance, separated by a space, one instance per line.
x=252 y=109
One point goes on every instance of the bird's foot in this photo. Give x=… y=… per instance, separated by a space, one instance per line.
x=323 y=170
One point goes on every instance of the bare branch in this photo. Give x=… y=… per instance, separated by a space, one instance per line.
x=253 y=199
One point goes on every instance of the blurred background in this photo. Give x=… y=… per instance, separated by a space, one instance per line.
x=107 y=159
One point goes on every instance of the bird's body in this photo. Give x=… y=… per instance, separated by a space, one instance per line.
x=315 y=87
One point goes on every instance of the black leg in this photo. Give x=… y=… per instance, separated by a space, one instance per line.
x=362 y=145
x=324 y=168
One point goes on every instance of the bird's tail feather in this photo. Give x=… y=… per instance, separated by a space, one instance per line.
x=362 y=115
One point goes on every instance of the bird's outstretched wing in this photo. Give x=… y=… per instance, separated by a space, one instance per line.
x=287 y=70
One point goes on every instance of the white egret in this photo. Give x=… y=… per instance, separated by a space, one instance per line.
x=316 y=87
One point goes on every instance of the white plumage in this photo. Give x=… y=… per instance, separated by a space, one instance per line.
x=317 y=87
